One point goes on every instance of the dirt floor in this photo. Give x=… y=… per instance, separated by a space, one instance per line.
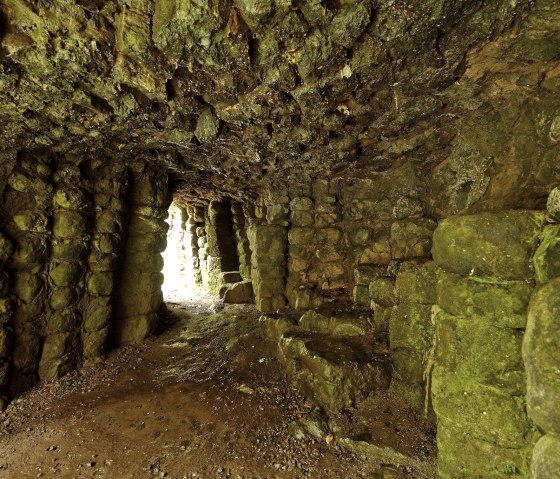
x=204 y=399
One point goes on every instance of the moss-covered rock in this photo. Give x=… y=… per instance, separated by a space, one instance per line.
x=546 y=458
x=101 y=283
x=489 y=244
x=136 y=328
x=541 y=353
x=382 y=291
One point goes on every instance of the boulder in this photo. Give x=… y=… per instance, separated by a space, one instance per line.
x=239 y=293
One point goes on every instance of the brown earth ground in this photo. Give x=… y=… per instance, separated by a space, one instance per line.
x=204 y=399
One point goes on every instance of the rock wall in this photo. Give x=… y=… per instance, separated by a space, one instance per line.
x=80 y=258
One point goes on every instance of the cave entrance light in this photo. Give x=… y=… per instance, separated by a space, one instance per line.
x=180 y=280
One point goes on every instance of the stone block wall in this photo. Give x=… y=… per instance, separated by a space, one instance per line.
x=268 y=239
x=65 y=226
x=485 y=281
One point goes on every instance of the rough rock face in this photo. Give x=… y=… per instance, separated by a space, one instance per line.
x=395 y=156
x=231 y=91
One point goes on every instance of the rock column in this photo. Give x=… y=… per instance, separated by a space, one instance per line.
x=71 y=227
x=138 y=297
x=110 y=193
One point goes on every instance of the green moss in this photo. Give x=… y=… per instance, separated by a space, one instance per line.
x=546 y=458
x=417 y=284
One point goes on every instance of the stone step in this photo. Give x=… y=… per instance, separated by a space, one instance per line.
x=333 y=372
x=230 y=277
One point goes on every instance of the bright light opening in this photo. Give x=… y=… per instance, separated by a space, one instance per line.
x=179 y=271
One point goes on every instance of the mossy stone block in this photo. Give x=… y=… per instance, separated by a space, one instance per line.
x=475 y=349
x=6 y=247
x=108 y=221
x=28 y=286
x=417 y=284
x=411 y=326
x=63 y=322
x=412 y=238
x=95 y=342
x=489 y=244
x=135 y=328
x=68 y=250
x=138 y=304
x=302 y=236
x=63 y=297
x=487 y=412
x=505 y=302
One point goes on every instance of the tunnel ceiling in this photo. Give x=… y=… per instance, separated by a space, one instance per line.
x=228 y=93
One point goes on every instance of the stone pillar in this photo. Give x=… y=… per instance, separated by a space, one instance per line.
x=71 y=220
x=222 y=250
x=28 y=204
x=411 y=330
x=110 y=193
x=242 y=240
x=268 y=237
x=197 y=232
x=138 y=298
x=485 y=281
